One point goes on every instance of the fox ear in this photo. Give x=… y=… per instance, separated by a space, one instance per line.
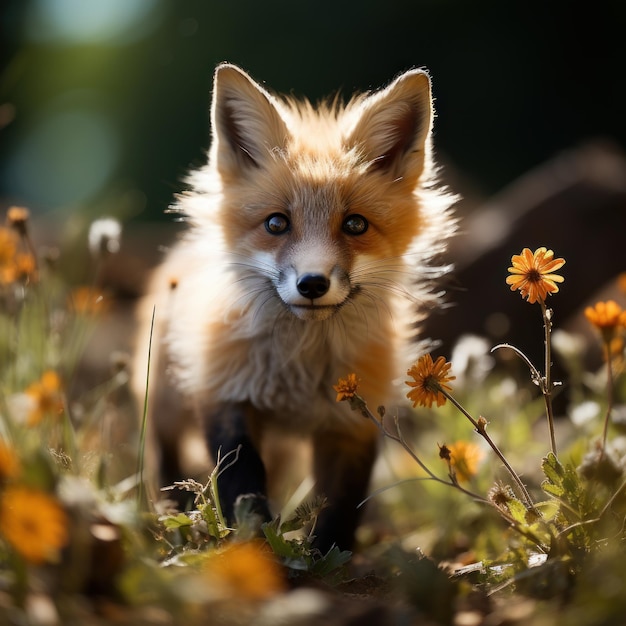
x=393 y=130
x=246 y=122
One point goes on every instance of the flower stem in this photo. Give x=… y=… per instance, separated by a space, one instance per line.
x=359 y=404
x=481 y=428
x=609 y=393
x=546 y=387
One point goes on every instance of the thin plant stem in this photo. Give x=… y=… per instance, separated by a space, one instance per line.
x=609 y=393
x=144 y=421
x=481 y=428
x=359 y=403
x=534 y=372
x=546 y=387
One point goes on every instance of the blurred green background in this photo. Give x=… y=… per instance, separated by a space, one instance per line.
x=104 y=103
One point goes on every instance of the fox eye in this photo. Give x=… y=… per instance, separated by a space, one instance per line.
x=354 y=225
x=277 y=224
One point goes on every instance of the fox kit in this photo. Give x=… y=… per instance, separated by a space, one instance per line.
x=308 y=257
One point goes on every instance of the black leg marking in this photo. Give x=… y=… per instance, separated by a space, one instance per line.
x=342 y=466
x=243 y=472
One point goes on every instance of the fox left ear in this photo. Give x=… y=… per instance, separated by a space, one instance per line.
x=393 y=130
x=246 y=121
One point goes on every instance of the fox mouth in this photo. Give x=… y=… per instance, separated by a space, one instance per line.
x=316 y=312
x=316 y=307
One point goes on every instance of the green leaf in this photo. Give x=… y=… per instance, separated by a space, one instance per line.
x=571 y=483
x=517 y=510
x=553 y=469
x=175 y=521
x=554 y=490
x=281 y=546
x=331 y=561
x=210 y=517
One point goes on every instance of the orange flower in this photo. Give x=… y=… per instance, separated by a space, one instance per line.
x=9 y=462
x=606 y=316
x=86 y=301
x=245 y=571
x=465 y=457
x=47 y=396
x=609 y=318
x=33 y=523
x=9 y=242
x=346 y=388
x=532 y=273
x=429 y=379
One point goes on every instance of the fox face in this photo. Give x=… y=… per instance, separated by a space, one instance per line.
x=320 y=202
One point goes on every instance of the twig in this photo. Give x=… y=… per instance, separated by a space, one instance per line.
x=547 y=379
x=358 y=403
x=609 y=393
x=481 y=428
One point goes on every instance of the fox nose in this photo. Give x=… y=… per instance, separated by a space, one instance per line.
x=312 y=285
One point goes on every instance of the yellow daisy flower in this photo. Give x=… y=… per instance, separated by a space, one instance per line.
x=33 y=523
x=532 y=273
x=346 y=388
x=429 y=378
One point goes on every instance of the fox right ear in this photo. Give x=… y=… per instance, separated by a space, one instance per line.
x=393 y=131
x=246 y=122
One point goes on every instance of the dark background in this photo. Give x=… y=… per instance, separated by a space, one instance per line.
x=104 y=108
x=107 y=115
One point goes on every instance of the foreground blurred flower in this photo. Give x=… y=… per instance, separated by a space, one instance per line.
x=532 y=273
x=465 y=457
x=9 y=462
x=33 y=523
x=429 y=379
x=245 y=571
x=47 y=396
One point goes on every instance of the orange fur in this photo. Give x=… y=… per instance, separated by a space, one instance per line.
x=268 y=321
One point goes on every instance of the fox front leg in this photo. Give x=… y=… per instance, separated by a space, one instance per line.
x=241 y=473
x=343 y=462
